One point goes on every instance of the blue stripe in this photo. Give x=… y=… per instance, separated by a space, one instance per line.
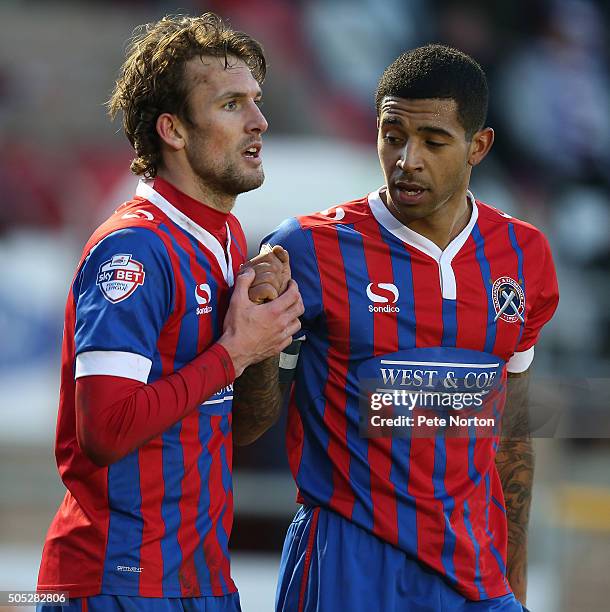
x=401 y=447
x=475 y=477
x=449 y=323
x=203 y=523
x=173 y=473
x=361 y=345
x=236 y=243
x=227 y=485
x=490 y=336
x=477 y=552
x=494 y=550
x=440 y=493
x=126 y=524
x=497 y=503
x=521 y=279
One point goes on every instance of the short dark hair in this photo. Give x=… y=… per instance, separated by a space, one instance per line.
x=438 y=71
x=152 y=80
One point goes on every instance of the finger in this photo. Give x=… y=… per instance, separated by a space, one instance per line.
x=281 y=253
x=287 y=299
x=267 y=278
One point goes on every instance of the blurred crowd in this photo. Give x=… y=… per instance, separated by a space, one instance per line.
x=548 y=68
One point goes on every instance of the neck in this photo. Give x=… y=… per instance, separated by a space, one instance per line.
x=197 y=189
x=443 y=224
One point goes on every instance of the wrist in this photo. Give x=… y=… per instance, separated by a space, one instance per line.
x=232 y=347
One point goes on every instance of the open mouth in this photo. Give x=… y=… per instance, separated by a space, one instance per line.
x=253 y=152
x=410 y=189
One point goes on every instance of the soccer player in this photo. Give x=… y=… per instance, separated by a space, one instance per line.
x=158 y=326
x=421 y=275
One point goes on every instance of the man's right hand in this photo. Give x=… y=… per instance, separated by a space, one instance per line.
x=254 y=332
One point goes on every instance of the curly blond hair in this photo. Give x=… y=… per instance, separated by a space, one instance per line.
x=152 y=82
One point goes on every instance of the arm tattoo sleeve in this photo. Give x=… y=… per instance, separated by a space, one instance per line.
x=257 y=401
x=515 y=463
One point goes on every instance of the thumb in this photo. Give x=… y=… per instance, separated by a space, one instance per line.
x=243 y=281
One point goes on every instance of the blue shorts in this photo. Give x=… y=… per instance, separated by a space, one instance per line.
x=330 y=564
x=127 y=603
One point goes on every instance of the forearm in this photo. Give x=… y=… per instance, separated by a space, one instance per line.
x=515 y=463
x=115 y=416
x=257 y=401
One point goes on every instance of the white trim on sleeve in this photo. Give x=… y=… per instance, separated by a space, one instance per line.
x=113 y=363
x=519 y=362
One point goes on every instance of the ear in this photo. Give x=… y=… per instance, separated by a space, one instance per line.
x=480 y=145
x=170 y=131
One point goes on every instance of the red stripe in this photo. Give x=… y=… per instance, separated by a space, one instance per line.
x=307 y=562
x=428 y=300
x=385 y=334
x=294 y=435
x=84 y=604
x=471 y=307
x=336 y=306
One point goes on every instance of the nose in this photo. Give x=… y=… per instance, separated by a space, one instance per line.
x=257 y=123
x=410 y=161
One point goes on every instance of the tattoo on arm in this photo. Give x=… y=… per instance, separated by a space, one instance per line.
x=515 y=463
x=257 y=401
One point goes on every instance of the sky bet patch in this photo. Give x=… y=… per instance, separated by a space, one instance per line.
x=119 y=277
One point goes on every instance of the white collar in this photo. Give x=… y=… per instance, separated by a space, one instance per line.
x=146 y=191
x=443 y=257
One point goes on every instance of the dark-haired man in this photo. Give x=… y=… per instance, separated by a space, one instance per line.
x=418 y=283
x=158 y=326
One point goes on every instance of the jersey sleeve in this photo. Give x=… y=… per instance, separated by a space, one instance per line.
x=303 y=266
x=124 y=295
x=544 y=304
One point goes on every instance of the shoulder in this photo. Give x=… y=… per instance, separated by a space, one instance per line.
x=134 y=224
x=346 y=213
x=527 y=235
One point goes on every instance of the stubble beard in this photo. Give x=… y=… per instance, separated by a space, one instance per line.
x=226 y=179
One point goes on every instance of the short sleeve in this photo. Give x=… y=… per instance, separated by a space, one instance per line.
x=544 y=304
x=303 y=265
x=124 y=295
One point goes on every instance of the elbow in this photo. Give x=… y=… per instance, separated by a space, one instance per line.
x=96 y=450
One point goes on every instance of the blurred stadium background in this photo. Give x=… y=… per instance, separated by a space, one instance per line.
x=64 y=167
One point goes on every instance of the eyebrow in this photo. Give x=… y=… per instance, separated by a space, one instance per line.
x=432 y=129
x=435 y=130
x=239 y=94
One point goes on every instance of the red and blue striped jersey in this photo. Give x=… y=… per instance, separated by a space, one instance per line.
x=377 y=292
x=149 y=295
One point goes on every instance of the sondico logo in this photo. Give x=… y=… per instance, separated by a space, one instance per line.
x=382 y=293
x=203 y=295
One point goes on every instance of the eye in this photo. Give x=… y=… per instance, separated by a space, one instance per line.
x=391 y=140
x=434 y=144
x=230 y=105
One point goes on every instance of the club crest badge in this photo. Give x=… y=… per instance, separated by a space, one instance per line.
x=508 y=299
x=119 y=277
